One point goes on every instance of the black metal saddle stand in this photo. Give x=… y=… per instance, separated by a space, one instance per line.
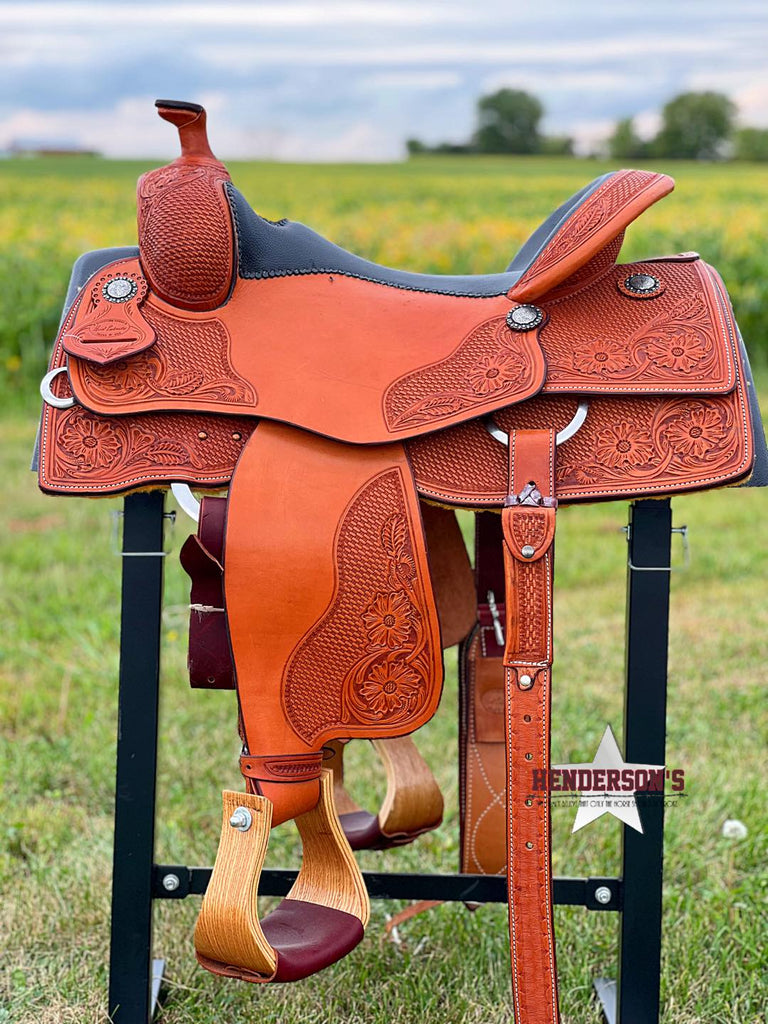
x=135 y=977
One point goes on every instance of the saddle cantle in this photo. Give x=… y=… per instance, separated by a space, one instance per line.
x=334 y=398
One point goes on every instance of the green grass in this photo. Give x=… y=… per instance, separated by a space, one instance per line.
x=58 y=664
x=58 y=645
x=434 y=214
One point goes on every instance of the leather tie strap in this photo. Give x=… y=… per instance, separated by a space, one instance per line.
x=281 y=767
x=528 y=523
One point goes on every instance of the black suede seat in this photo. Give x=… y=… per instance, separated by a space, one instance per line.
x=284 y=248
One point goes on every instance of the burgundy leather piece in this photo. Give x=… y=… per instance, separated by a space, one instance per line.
x=209 y=660
x=362 y=830
x=308 y=937
x=489 y=564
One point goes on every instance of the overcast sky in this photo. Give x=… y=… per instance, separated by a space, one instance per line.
x=335 y=81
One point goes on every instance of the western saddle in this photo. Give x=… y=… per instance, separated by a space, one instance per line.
x=349 y=409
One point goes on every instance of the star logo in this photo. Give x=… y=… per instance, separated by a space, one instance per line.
x=594 y=803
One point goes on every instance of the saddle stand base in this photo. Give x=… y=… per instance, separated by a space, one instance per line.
x=135 y=978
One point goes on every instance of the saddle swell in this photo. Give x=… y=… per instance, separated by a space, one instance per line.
x=185 y=228
x=336 y=399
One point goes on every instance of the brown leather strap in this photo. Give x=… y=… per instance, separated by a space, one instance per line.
x=482 y=728
x=420 y=907
x=528 y=523
x=482 y=753
x=282 y=767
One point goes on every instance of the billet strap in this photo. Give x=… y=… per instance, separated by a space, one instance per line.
x=482 y=753
x=482 y=731
x=451 y=573
x=209 y=660
x=413 y=803
x=528 y=524
x=322 y=918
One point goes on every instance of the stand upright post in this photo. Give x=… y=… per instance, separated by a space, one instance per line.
x=132 y=982
x=645 y=711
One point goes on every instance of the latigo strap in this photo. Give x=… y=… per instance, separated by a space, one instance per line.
x=528 y=523
x=482 y=731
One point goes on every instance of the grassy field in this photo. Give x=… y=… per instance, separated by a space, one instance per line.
x=437 y=215
x=58 y=649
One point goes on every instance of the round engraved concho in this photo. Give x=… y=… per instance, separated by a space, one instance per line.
x=119 y=289
x=641 y=286
x=524 y=318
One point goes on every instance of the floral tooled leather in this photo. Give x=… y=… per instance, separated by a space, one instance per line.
x=94 y=455
x=593 y=225
x=597 y=339
x=379 y=610
x=491 y=362
x=626 y=447
x=352 y=645
x=191 y=360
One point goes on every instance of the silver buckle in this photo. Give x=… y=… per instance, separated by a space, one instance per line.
x=498 y=629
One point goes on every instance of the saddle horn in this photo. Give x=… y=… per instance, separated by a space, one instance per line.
x=186 y=235
x=191 y=120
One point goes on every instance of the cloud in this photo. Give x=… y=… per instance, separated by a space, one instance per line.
x=236 y=16
x=307 y=79
x=411 y=80
x=752 y=103
x=131 y=128
x=482 y=52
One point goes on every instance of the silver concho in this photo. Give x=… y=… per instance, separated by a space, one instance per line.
x=524 y=318
x=642 y=284
x=119 y=289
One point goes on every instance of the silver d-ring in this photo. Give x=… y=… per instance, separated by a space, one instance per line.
x=187 y=501
x=48 y=395
x=562 y=435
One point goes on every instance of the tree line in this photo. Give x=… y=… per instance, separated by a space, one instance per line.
x=694 y=126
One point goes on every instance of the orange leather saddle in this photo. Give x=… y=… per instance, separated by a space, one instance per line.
x=348 y=408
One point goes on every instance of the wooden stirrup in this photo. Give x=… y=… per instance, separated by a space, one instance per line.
x=413 y=803
x=322 y=918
